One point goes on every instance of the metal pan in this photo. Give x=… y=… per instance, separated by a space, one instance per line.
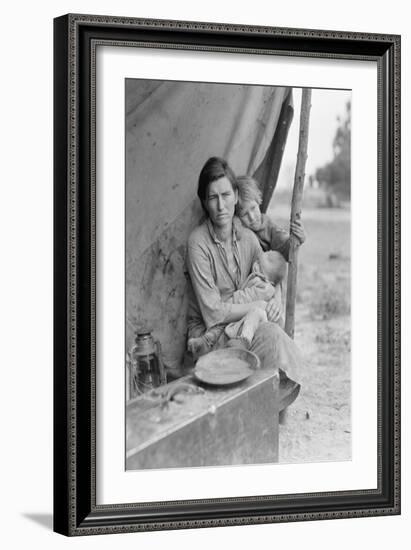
x=226 y=366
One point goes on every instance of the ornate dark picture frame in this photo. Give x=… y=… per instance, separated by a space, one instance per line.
x=76 y=38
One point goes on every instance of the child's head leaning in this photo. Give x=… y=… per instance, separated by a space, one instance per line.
x=249 y=200
x=273 y=266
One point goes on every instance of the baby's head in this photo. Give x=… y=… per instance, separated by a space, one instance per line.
x=273 y=266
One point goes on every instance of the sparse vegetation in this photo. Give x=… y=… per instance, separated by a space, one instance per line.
x=330 y=302
x=318 y=426
x=335 y=176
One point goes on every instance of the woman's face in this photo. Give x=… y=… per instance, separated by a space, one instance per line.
x=221 y=201
x=250 y=214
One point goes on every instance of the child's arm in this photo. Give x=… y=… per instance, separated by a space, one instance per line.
x=278 y=239
x=259 y=291
x=253 y=290
x=297 y=229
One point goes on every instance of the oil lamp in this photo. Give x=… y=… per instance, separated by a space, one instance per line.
x=146 y=365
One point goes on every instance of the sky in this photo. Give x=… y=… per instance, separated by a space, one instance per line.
x=326 y=106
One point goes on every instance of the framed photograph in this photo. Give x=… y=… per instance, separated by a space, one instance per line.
x=227 y=274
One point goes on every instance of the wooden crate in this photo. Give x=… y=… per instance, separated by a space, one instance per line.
x=219 y=426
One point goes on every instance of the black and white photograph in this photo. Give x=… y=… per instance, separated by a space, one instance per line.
x=237 y=274
x=162 y=388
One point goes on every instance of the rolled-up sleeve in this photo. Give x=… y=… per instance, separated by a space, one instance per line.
x=252 y=294
x=199 y=263
x=279 y=240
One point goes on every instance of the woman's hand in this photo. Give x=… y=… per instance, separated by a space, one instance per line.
x=273 y=309
x=297 y=229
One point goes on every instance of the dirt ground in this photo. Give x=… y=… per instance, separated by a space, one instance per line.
x=318 y=424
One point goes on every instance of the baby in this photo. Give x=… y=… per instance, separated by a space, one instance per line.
x=270 y=269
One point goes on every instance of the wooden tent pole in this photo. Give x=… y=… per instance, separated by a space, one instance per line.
x=296 y=210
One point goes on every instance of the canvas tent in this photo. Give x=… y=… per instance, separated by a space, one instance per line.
x=172 y=128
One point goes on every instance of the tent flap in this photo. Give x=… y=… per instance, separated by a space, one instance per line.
x=172 y=128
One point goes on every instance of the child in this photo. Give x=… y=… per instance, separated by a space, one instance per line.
x=270 y=235
x=270 y=269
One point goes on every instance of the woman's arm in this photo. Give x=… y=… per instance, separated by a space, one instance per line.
x=213 y=309
x=238 y=311
x=259 y=291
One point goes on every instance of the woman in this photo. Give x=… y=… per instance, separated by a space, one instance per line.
x=220 y=256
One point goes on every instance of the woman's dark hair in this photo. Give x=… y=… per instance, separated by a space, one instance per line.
x=214 y=169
